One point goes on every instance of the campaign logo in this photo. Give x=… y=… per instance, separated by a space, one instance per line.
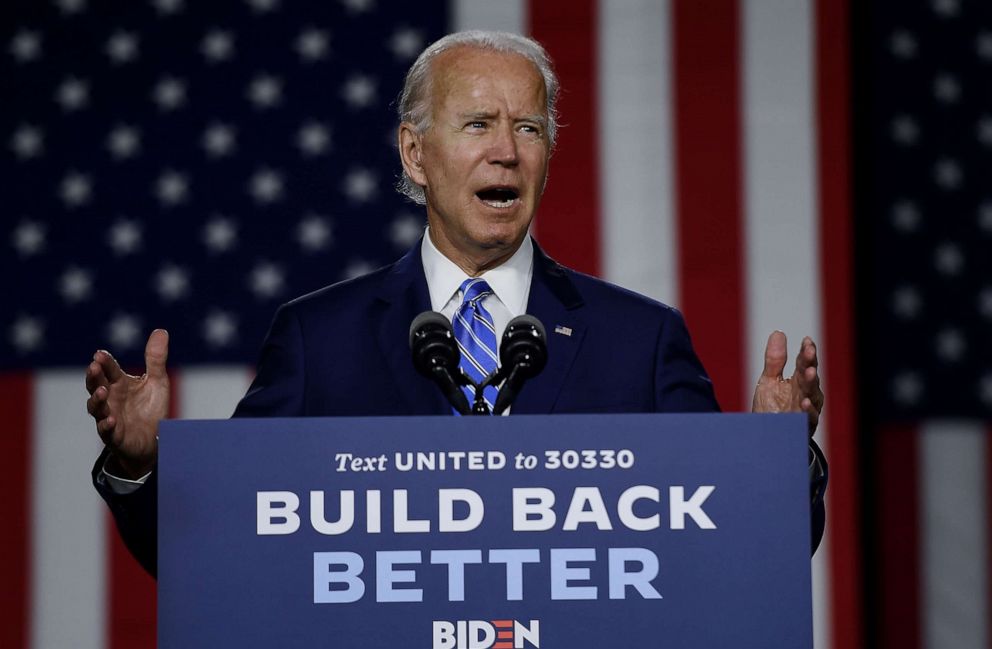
x=486 y=634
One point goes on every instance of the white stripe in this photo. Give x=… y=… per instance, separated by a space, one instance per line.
x=69 y=521
x=477 y=317
x=211 y=392
x=478 y=342
x=820 y=566
x=636 y=144
x=780 y=225
x=504 y=15
x=781 y=221
x=955 y=538
x=472 y=362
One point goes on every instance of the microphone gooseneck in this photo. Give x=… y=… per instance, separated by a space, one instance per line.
x=435 y=355
x=523 y=354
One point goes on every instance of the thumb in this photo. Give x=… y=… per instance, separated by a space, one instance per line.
x=157 y=353
x=776 y=354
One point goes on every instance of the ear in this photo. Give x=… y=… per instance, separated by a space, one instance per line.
x=411 y=153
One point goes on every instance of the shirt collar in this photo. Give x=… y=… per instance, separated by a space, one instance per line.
x=510 y=280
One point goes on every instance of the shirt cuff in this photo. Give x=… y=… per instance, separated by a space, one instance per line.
x=121 y=486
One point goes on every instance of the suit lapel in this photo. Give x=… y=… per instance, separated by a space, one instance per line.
x=402 y=296
x=556 y=302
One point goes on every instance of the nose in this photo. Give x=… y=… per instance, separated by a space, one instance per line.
x=503 y=146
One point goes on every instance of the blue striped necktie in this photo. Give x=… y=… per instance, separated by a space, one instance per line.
x=476 y=336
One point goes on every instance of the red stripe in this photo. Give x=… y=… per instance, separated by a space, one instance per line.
x=568 y=226
x=132 y=592
x=836 y=272
x=897 y=509
x=708 y=181
x=17 y=405
x=132 y=598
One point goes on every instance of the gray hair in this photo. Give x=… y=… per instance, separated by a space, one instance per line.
x=414 y=103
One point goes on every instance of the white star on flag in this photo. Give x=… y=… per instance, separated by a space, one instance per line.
x=265 y=91
x=172 y=188
x=26 y=46
x=28 y=238
x=27 y=142
x=27 y=334
x=76 y=189
x=219 y=140
x=76 y=285
x=406 y=43
x=123 y=142
x=313 y=233
x=124 y=237
x=172 y=283
x=312 y=44
x=220 y=234
x=169 y=94
x=219 y=329
x=266 y=280
x=122 y=47
x=405 y=230
x=217 y=46
x=359 y=91
x=360 y=185
x=313 y=139
x=266 y=186
x=73 y=94
x=124 y=331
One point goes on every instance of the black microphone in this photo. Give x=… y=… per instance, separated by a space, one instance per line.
x=436 y=356
x=522 y=354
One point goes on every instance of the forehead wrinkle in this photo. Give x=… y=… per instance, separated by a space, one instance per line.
x=449 y=71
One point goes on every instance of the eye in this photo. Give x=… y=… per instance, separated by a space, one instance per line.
x=530 y=129
x=475 y=125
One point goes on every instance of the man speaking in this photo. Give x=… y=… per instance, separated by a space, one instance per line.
x=476 y=133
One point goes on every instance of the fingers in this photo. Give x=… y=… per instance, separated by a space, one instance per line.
x=775 y=357
x=99 y=409
x=109 y=366
x=106 y=428
x=807 y=378
x=97 y=404
x=807 y=375
x=807 y=355
x=812 y=413
x=95 y=377
x=157 y=353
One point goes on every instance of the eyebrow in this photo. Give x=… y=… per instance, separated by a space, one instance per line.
x=540 y=119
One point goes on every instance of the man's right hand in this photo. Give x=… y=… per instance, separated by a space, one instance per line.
x=127 y=408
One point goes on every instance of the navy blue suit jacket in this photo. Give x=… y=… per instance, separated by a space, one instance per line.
x=342 y=351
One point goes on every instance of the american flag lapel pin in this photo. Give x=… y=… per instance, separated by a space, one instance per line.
x=565 y=331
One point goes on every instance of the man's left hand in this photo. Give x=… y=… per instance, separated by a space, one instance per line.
x=798 y=393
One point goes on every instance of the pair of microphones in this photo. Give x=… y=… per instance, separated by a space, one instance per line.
x=523 y=353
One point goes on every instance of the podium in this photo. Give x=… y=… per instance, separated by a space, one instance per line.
x=474 y=532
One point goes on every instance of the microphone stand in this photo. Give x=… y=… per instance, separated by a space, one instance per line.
x=479 y=406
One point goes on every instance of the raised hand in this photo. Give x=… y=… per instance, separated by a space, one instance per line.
x=798 y=393
x=127 y=408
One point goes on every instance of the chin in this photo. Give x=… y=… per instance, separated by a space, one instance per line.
x=501 y=236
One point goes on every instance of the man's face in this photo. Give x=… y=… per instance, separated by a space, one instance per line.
x=484 y=160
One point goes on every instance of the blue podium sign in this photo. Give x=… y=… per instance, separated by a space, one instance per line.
x=474 y=532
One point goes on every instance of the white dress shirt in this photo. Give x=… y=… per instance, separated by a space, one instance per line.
x=510 y=282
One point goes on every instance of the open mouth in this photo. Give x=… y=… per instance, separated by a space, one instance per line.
x=498 y=197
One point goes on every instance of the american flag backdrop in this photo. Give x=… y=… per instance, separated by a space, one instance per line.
x=191 y=165
x=924 y=213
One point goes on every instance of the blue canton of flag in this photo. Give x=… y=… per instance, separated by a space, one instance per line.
x=192 y=165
